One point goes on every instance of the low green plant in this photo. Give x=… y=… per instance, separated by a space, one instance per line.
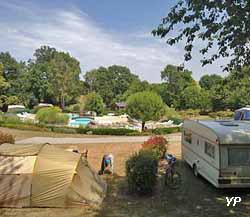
x=167 y=130
x=105 y=131
x=23 y=126
x=12 y=119
x=65 y=130
x=186 y=114
x=141 y=172
x=52 y=115
x=171 y=113
x=221 y=114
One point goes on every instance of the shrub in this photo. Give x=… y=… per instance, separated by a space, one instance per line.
x=170 y=113
x=23 y=126
x=65 y=130
x=157 y=144
x=221 y=114
x=75 y=108
x=186 y=114
x=6 y=138
x=141 y=172
x=105 y=131
x=52 y=115
x=168 y=130
x=12 y=119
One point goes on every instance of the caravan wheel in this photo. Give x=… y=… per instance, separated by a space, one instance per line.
x=195 y=170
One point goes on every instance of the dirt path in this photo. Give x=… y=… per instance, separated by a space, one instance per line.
x=95 y=140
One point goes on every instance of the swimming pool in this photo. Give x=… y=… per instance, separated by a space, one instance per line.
x=76 y=122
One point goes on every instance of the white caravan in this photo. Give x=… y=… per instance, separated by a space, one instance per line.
x=219 y=151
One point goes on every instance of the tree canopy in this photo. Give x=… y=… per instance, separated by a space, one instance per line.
x=110 y=83
x=55 y=77
x=177 y=79
x=145 y=106
x=224 y=26
x=209 y=81
x=94 y=102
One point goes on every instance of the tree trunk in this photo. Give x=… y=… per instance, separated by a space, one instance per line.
x=143 y=126
x=62 y=103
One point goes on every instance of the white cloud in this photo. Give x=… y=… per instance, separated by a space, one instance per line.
x=74 y=31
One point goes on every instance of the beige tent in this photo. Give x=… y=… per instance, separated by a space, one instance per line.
x=46 y=176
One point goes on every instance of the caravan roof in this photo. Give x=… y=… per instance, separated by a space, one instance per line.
x=227 y=132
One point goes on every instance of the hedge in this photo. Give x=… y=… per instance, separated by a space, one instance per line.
x=15 y=123
x=221 y=114
x=23 y=126
x=162 y=131
x=66 y=130
x=105 y=131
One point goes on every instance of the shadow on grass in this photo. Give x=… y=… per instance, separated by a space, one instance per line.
x=195 y=197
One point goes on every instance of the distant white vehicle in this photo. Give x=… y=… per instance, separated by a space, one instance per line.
x=45 y=105
x=16 y=107
x=219 y=151
x=110 y=114
x=242 y=114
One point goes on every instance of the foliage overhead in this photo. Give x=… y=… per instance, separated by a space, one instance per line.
x=223 y=25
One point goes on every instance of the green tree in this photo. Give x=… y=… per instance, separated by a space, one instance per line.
x=4 y=85
x=94 y=102
x=223 y=25
x=13 y=73
x=5 y=99
x=236 y=88
x=176 y=80
x=135 y=87
x=64 y=72
x=44 y=54
x=110 y=83
x=37 y=82
x=193 y=97
x=209 y=81
x=145 y=106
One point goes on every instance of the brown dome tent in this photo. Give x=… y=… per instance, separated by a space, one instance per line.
x=46 y=176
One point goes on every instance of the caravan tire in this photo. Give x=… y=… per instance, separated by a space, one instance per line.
x=195 y=170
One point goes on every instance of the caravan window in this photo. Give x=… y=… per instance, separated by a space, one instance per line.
x=188 y=136
x=238 y=116
x=246 y=115
x=238 y=156
x=209 y=149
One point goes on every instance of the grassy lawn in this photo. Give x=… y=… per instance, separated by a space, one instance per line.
x=195 y=197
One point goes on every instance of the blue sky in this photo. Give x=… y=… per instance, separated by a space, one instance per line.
x=97 y=33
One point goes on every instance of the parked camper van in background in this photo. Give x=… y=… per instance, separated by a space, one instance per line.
x=242 y=114
x=219 y=151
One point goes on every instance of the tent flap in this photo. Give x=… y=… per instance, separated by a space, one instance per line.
x=53 y=173
x=46 y=176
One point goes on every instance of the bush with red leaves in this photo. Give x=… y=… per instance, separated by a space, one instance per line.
x=158 y=144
